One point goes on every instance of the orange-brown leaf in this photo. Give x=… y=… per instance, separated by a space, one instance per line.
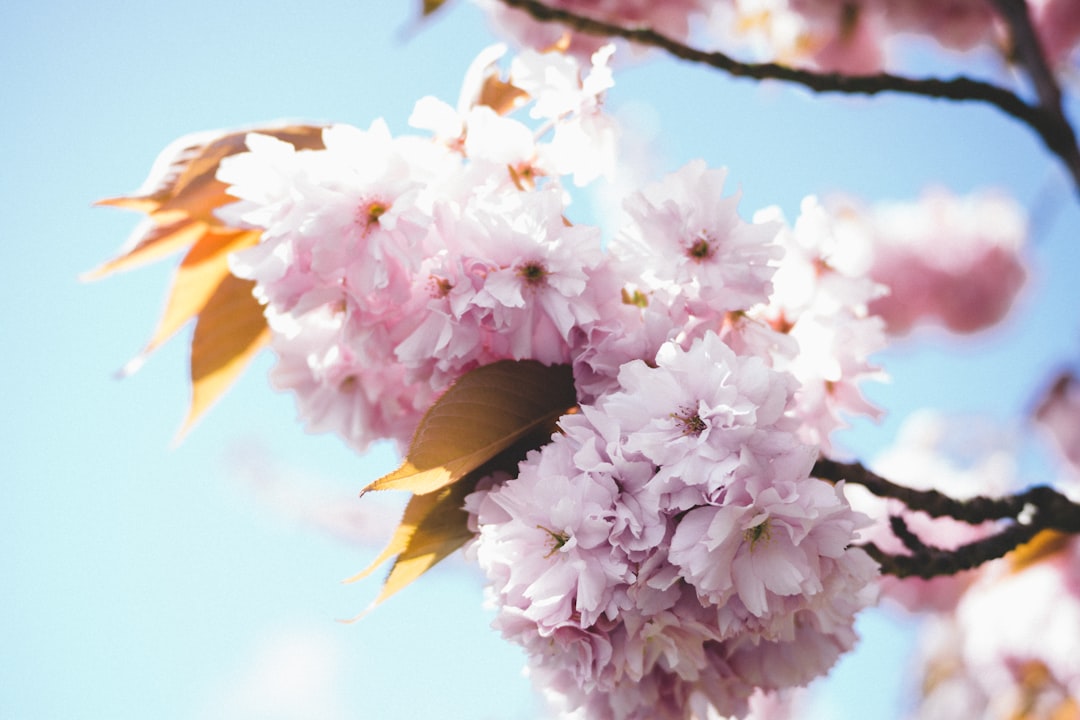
x=151 y=242
x=433 y=526
x=230 y=330
x=200 y=274
x=182 y=192
x=486 y=412
x=431 y=6
x=501 y=96
x=180 y=195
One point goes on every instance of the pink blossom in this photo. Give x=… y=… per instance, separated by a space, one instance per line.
x=1058 y=26
x=820 y=301
x=688 y=238
x=671 y=18
x=1059 y=416
x=827 y=35
x=707 y=417
x=343 y=383
x=546 y=534
x=643 y=581
x=952 y=260
x=956 y=24
x=1010 y=649
x=511 y=280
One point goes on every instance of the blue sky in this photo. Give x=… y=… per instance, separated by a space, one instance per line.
x=142 y=579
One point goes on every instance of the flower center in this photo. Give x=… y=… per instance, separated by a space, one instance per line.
x=701 y=249
x=533 y=273
x=368 y=214
x=638 y=298
x=555 y=539
x=691 y=422
x=439 y=287
x=759 y=533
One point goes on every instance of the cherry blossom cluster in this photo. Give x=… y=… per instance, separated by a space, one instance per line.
x=848 y=36
x=954 y=261
x=951 y=260
x=389 y=266
x=667 y=554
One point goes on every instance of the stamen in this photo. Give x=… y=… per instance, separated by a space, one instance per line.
x=759 y=533
x=367 y=215
x=533 y=273
x=691 y=422
x=701 y=249
x=439 y=287
x=557 y=540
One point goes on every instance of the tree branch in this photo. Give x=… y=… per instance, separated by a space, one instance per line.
x=929 y=562
x=1032 y=511
x=1047 y=122
x=1040 y=505
x=1029 y=53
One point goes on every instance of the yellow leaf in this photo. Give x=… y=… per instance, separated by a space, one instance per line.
x=230 y=330
x=488 y=411
x=197 y=279
x=1045 y=544
x=433 y=526
x=153 y=242
x=181 y=195
x=501 y=96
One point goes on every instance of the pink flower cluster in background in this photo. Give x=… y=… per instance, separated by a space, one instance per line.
x=946 y=260
x=667 y=553
x=847 y=36
x=1009 y=649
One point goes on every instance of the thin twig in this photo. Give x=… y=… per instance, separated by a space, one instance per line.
x=1028 y=51
x=931 y=562
x=1041 y=507
x=1051 y=127
x=1032 y=511
x=905 y=534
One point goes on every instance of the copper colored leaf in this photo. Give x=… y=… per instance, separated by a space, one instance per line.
x=181 y=192
x=486 y=412
x=433 y=526
x=200 y=274
x=151 y=242
x=501 y=96
x=431 y=6
x=230 y=330
x=181 y=195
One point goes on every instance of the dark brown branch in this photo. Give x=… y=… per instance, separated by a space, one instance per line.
x=911 y=541
x=1029 y=53
x=1049 y=125
x=931 y=562
x=1030 y=512
x=1040 y=506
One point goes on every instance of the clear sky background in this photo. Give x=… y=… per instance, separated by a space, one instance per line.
x=139 y=579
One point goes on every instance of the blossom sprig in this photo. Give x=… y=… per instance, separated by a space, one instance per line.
x=1045 y=117
x=628 y=439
